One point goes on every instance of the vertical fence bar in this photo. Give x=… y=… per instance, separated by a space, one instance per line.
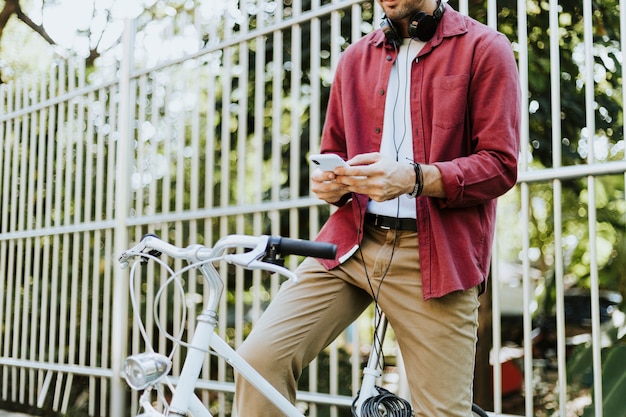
x=152 y=197
x=492 y=21
x=89 y=285
x=178 y=142
x=209 y=154
x=527 y=318
x=4 y=227
x=146 y=135
x=165 y=199
x=60 y=139
x=555 y=103
x=47 y=221
x=38 y=269
x=315 y=44
x=122 y=204
x=276 y=130
x=622 y=31
x=591 y=191
x=15 y=246
x=23 y=257
x=242 y=192
x=31 y=278
x=74 y=152
x=315 y=104
x=194 y=166
x=242 y=182
x=496 y=327
x=525 y=200
x=335 y=35
x=84 y=194
x=224 y=159
x=295 y=137
x=109 y=176
x=591 y=186
x=4 y=212
x=66 y=162
x=258 y=155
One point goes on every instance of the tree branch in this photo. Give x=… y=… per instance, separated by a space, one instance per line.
x=10 y=7
x=37 y=28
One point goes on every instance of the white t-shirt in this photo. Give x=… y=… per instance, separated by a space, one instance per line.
x=397 y=140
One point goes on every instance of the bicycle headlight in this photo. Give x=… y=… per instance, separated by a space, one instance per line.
x=145 y=369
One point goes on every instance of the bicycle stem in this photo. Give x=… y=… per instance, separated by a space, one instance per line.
x=201 y=340
x=207 y=320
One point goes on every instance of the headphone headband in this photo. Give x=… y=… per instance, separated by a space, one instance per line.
x=438 y=13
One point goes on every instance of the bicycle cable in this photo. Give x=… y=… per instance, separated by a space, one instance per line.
x=375 y=293
x=386 y=404
x=174 y=277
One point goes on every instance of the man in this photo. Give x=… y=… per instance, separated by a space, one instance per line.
x=426 y=113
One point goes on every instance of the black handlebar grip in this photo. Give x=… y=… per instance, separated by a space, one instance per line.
x=288 y=246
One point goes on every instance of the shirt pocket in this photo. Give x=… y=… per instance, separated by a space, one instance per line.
x=450 y=100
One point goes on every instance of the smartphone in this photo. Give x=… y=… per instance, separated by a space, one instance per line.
x=327 y=161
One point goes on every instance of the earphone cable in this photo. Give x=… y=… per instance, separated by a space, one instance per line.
x=376 y=293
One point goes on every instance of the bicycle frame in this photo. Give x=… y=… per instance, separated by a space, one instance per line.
x=183 y=400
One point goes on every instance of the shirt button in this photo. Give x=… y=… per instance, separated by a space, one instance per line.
x=377 y=130
x=381 y=92
x=389 y=58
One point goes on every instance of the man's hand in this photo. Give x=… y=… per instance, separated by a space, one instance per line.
x=325 y=186
x=377 y=176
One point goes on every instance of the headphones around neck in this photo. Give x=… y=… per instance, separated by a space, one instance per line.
x=421 y=26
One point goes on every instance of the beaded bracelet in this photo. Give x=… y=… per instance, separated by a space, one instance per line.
x=419 y=181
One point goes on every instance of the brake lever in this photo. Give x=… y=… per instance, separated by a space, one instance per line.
x=247 y=258
x=137 y=249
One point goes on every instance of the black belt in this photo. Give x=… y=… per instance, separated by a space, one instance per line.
x=394 y=223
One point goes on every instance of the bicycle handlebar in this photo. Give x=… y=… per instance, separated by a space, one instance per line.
x=288 y=246
x=262 y=247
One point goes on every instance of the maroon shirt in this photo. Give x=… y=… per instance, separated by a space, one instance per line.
x=466 y=120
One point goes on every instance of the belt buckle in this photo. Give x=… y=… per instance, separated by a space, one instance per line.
x=377 y=223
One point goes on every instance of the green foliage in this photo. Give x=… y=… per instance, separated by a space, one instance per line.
x=613 y=377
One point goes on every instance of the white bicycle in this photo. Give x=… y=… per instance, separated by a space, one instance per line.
x=149 y=371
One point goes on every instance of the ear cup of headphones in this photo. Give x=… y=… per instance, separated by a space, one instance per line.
x=422 y=26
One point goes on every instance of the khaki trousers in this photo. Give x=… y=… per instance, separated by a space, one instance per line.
x=437 y=337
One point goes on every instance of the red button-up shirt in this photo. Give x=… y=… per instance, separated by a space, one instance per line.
x=465 y=113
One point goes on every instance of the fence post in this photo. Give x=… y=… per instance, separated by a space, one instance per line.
x=119 y=333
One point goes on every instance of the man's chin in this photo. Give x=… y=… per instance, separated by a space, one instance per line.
x=395 y=11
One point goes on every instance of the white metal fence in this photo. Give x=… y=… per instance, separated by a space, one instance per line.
x=212 y=142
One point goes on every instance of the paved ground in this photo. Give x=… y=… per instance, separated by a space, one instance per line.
x=12 y=414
